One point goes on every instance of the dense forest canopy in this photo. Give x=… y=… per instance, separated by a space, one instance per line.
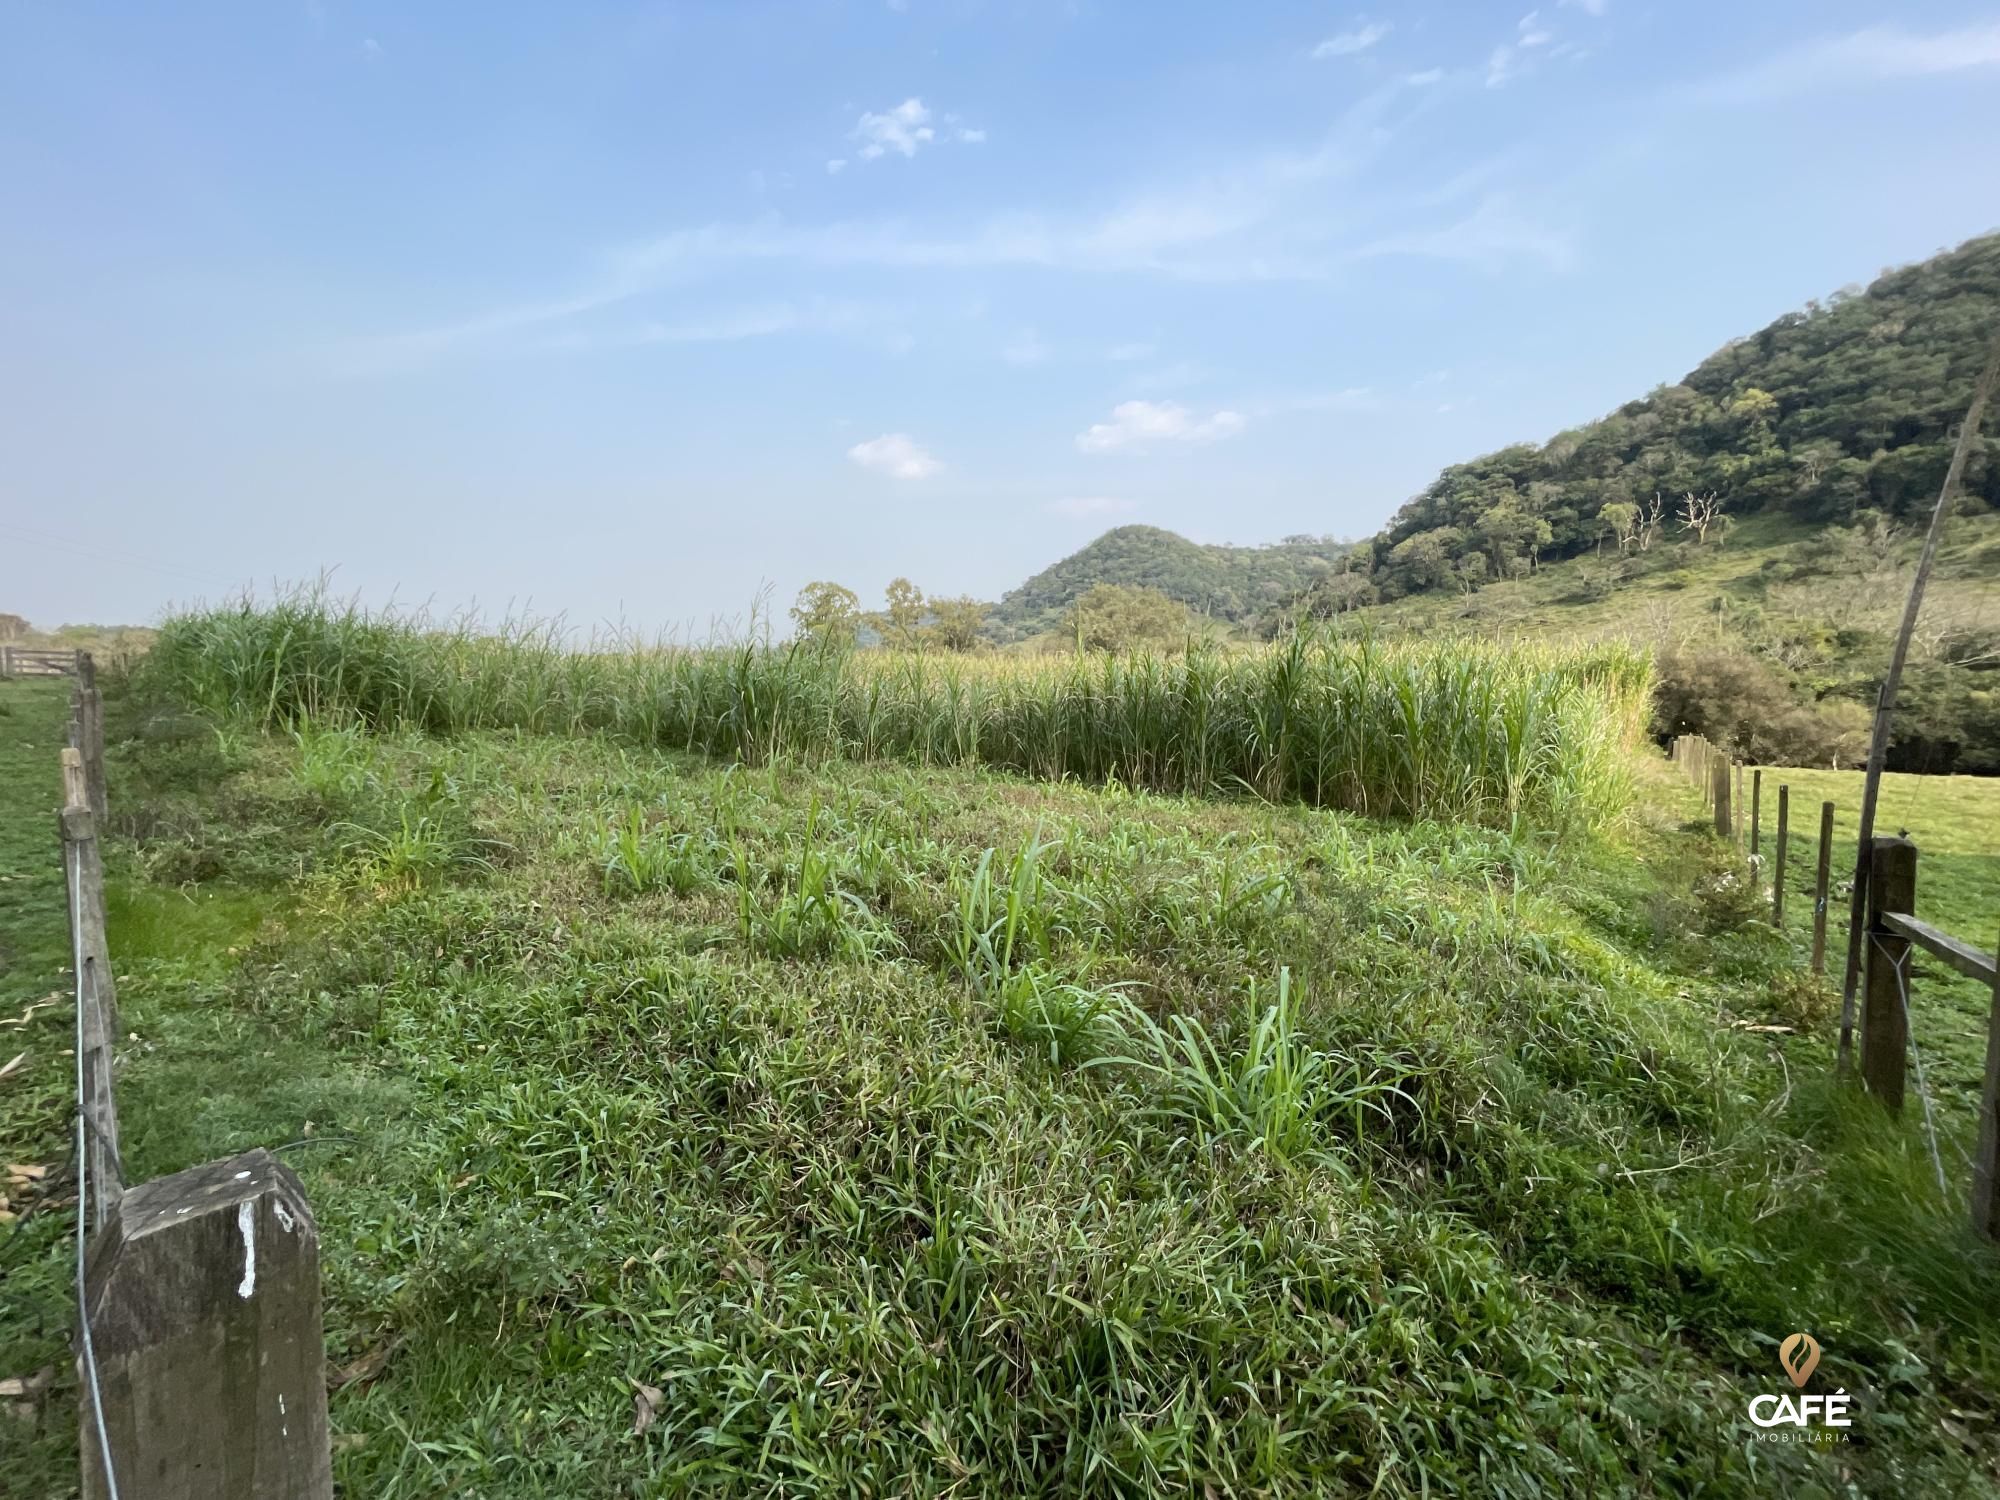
x=1236 y=584
x=1848 y=406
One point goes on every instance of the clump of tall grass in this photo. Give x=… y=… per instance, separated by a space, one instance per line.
x=1460 y=730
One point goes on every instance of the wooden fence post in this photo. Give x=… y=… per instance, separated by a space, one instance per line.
x=203 y=1307
x=1986 y=1165
x=1736 y=821
x=1778 y=862
x=83 y=870
x=1756 y=810
x=1885 y=1026
x=1723 y=825
x=86 y=734
x=1820 y=878
x=6 y=661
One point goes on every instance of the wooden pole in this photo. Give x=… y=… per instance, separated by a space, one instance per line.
x=203 y=1306
x=1885 y=701
x=1756 y=810
x=1986 y=1165
x=1720 y=788
x=1820 y=878
x=83 y=870
x=1885 y=1026
x=1736 y=819
x=1778 y=863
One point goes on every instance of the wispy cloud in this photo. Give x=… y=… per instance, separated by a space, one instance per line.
x=1588 y=7
x=1875 y=54
x=905 y=130
x=1136 y=426
x=1347 y=43
x=1494 y=234
x=1511 y=59
x=1026 y=348
x=895 y=454
x=1276 y=215
x=1084 y=507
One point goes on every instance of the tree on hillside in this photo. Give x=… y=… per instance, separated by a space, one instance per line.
x=904 y=616
x=13 y=628
x=827 y=614
x=1621 y=522
x=1700 y=514
x=1850 y=405
x=956 y=623
x=1112 y=617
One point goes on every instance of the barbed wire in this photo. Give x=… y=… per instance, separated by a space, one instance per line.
x=73 y=866
x=1898 y=962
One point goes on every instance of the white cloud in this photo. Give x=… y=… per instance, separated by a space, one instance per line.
x=1424 y=79
x=370 y=48
x=1137 y=425
x=971 y=137
x=1082 y=507
x=1874 y=54
x=1125 y=352
x=1347 y=43
x=1588 y=7
x=836 y=165
x=896 y=455
x=902 y=130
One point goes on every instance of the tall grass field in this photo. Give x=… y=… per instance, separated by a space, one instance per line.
x=1451 y=731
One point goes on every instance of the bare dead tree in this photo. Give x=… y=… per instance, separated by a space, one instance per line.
x=1700 y=513
x=1649 y=520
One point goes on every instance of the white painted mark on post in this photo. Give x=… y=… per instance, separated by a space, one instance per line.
x=285 y=1219
x=246 y=1222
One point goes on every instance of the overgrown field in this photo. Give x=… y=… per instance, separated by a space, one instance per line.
x=1496 y=736
x=881 y=1129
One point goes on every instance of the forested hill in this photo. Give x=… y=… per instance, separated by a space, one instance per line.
x=1850 y=405
x=1237 y=584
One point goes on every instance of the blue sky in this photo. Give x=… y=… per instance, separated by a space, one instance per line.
x=624 y=311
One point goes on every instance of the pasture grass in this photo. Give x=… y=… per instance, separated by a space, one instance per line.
x=1459 y=730
x=819 y=1128
x=1955 y=823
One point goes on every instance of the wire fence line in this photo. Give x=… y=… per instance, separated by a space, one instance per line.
x=73 y=872
x=1886 y=1022
x=245 y=1417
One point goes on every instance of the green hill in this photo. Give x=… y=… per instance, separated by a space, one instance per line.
x=1235 y=584
x=1839 y=412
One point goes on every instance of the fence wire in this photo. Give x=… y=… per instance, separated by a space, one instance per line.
x=73 y=861
x=1900 y=963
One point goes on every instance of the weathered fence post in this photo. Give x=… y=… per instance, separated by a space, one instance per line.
x=83 y=869
x=1820 y=878
x=1736 y=822
x=1778 y=861
x=1723 y=825
x=6 y=661
x=86 y=733
x=203 y=1306
x=1986 y=1165
x=1756 y=810
x=1885 y=1027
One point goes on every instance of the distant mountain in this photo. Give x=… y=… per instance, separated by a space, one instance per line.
x=1236 y=584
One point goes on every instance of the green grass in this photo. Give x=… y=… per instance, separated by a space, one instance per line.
x=1506 y=736
x=37 y=1098
x=932 y=1130
x=1955 y=823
